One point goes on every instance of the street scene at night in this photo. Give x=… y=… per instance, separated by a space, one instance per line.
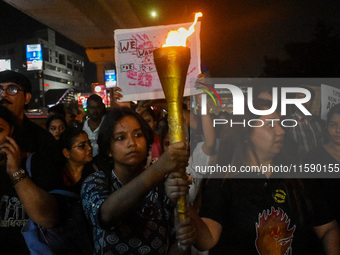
x=169 y=127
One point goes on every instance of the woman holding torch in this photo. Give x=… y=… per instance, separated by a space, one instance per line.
x=127 y=205
x=259 y=212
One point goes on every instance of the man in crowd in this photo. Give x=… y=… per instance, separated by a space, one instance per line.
x=25 y=138
x=96 y=112
x=15 y=95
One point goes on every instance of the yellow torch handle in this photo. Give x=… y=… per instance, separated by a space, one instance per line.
x=177 y=134
x=172 y=65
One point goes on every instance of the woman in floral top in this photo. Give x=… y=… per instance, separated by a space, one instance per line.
x=127 y=205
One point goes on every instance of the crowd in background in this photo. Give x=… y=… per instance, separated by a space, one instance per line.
x=121 y=170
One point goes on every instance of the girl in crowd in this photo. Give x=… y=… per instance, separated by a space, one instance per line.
x=149 y=116
x=127 y=205
x=259 y=212
x=329 y=155
x=77 y=165
x=56 y=124
x=77 y=152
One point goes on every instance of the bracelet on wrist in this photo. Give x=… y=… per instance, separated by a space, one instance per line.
x=18 y=176
x=17 y=180
x=17 y=173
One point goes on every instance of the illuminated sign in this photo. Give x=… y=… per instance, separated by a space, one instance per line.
x=5 y=64
x=110 y=78
x=100 y=90
x=34 y=57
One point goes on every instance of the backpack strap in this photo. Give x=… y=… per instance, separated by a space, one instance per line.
x=64 y=193
x=56 y=191
x=28 y=164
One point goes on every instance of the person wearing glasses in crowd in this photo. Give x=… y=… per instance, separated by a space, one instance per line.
x=15 y=94
x=77 y=152
x=77 y=165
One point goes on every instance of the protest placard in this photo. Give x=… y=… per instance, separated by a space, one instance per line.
x=330 y=96
x=136 y=71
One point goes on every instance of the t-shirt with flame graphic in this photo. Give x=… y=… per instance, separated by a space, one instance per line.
x=261 y=216
x=273 y=233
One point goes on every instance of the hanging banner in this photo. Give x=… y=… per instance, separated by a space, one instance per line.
x=136 y=71
x=330 y=96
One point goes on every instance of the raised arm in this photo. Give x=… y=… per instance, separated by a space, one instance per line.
x=121 y=202
x=40 y=206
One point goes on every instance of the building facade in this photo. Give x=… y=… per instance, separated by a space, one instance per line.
x=62 y=69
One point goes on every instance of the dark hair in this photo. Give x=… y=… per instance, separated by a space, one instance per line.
x=109 y=123
x=58 y=109
x=150 y=111
x=67 y=138
x=164 y=132
x=258 y=89
x=7 y=115
x=95 y=98
x=55 y=117
x=18 y=78
x=233 y=147
x=334 y=110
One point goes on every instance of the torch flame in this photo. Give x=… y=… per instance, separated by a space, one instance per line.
x=179 y=37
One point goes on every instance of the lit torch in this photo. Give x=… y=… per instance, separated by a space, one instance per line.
x=172 y=63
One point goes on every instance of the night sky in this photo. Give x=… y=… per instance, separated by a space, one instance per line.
x=235 y=35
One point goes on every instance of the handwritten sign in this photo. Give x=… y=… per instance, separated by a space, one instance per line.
x=330 y=96
x=136 y=71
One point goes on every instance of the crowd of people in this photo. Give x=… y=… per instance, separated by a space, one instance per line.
x=121 y=170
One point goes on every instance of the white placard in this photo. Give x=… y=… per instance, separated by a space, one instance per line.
x=330 y=96
x=136 y=71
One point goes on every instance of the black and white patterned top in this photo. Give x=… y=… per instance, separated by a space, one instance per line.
x=147 y=230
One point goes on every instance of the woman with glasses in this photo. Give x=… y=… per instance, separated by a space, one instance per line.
x=77 y=151
x=74 y=230
x=127 y=204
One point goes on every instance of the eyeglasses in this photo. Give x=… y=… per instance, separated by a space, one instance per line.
x=82 y=145
x=11 y=90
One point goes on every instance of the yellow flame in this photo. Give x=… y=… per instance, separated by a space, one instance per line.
x=179 y=37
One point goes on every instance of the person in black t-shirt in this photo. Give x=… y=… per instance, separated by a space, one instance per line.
x=28 y=138
x=20 y=197
x=257 y=211
x=15 y=94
